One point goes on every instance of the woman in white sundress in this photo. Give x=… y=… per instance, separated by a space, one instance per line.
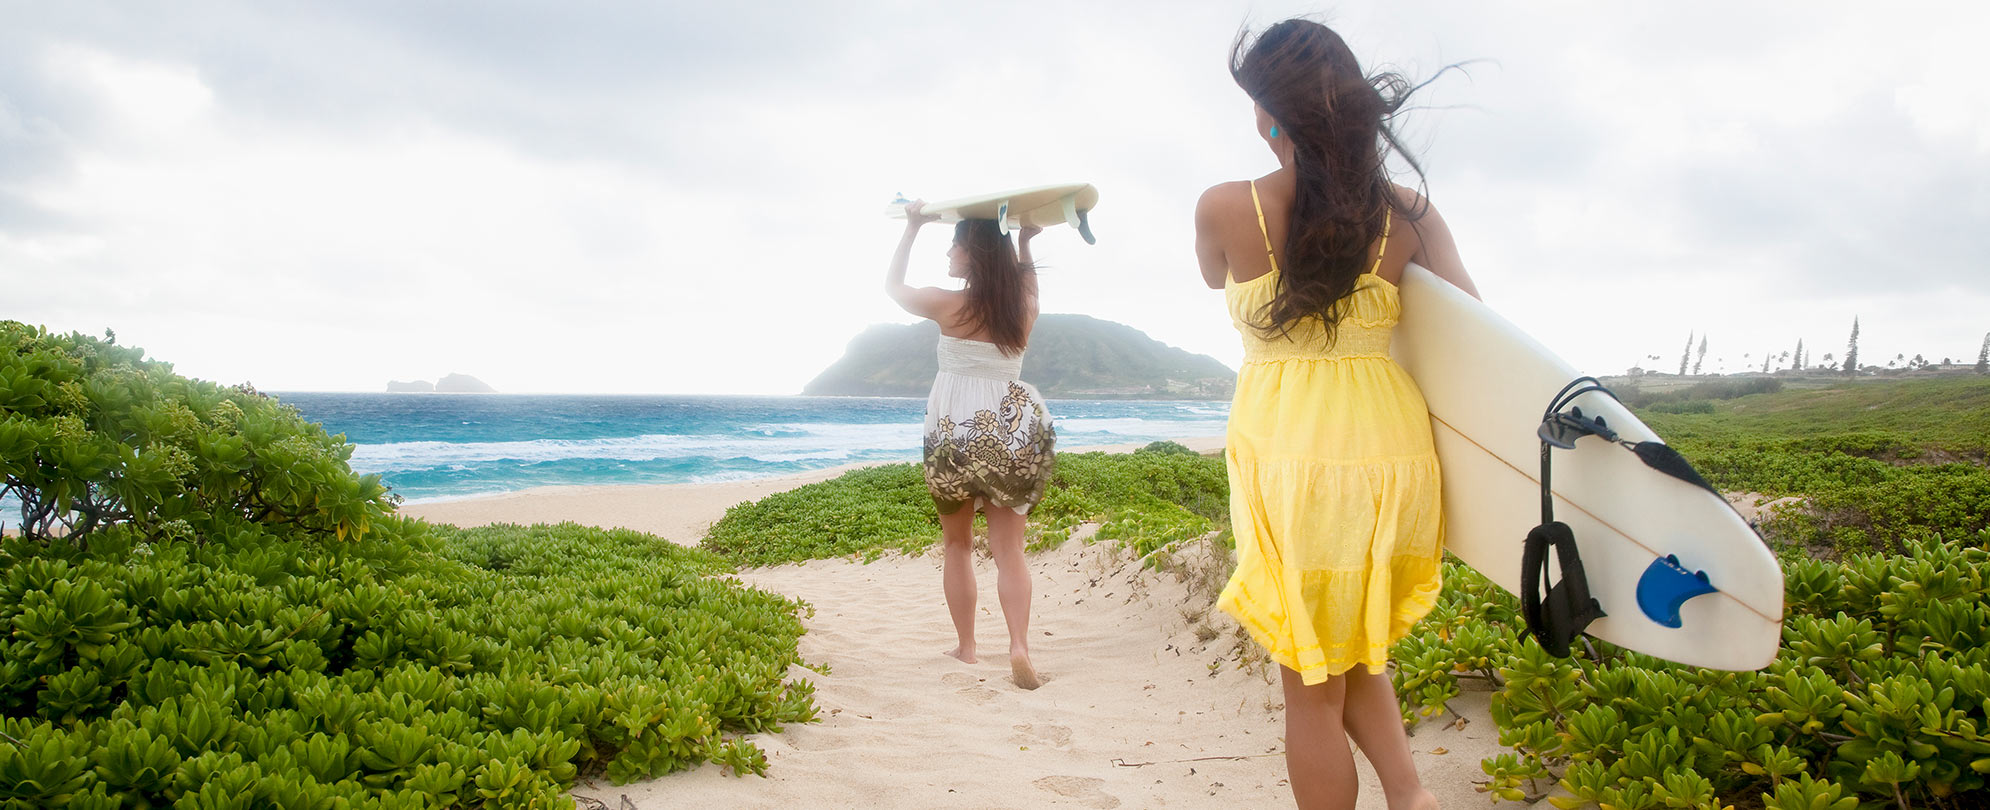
x=988 y=437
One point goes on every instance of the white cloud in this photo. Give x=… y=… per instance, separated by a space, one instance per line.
x=687 y=198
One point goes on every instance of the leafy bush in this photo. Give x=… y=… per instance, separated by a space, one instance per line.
x=1879 y=694
x=1859 y=491
x=1168 y=447
x=1145 y=500
x=1871 y=464
x=866 y=511
x=206 y=608
x=418 y=667
x=94 y=436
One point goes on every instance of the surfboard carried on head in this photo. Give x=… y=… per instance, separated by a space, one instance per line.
x=1546 y=474
x=1039 y=206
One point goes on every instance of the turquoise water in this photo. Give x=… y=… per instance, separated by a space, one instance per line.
x=443 y=446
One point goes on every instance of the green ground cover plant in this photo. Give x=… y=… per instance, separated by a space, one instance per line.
x=864 y=512
x=1163 y=494
x=1160 y=496
x=1870 y=465
x=205 y=608
x=1877 y=697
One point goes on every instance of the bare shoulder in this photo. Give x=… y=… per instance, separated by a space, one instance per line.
x=1222 y=207
x=1222 y=197
x=1217 y=214
x=1419 y=206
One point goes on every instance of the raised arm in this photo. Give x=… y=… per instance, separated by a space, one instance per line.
x=1023 y=245
x=925 y=302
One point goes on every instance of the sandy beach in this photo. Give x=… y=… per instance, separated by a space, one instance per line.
x=1144 y=705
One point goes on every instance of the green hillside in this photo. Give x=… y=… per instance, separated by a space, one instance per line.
x=1070 y=356
x=1949 y=413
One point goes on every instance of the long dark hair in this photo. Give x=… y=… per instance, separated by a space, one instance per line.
x=1304 y=75
x=995 y=290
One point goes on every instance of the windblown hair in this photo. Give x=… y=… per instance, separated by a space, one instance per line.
x=996 y=291
x=1304 y=75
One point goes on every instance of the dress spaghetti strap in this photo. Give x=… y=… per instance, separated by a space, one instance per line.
x=1261 y=228
x=1379 y=249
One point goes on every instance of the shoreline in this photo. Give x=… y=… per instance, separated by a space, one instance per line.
x=680 y=513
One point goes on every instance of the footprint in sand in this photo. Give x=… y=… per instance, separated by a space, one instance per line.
x=1030 y=734
x=969 y=687
x=1083 y=788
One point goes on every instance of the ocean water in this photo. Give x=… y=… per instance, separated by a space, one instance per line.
x=444 y=446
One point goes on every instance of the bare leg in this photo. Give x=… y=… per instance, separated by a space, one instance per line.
x=1375 y=721
x=1318 y=762
x=1012 y=585
x=957 y=577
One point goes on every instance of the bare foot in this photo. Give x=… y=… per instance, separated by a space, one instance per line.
x=966 y=656
x=1024 y=674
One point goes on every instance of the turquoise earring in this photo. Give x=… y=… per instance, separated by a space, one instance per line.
x=1274 y=130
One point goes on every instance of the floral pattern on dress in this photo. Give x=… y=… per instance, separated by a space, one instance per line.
x=1003 y=456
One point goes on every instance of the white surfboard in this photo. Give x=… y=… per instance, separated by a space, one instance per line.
x=1040 y=206
x=1487 y=384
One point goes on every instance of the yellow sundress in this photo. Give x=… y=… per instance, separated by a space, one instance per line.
x=1334 y=491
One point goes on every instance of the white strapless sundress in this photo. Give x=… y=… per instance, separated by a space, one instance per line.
x=989 y=439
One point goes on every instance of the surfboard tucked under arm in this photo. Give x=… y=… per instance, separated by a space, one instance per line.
x=1718 y=603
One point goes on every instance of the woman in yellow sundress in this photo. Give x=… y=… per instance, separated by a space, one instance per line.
x=1334 y=484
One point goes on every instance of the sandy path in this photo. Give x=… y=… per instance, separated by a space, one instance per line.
x=1142 y=683
x=904 y=726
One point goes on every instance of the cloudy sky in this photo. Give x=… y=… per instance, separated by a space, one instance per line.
x=687 y=197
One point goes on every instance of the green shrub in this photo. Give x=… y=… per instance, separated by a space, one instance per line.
x=866 y=511
x=1167 y=447
x=93 y=436
x=1858 y=491
x=466 y=667
x=206 y=608
x=1879 y=693
x=1145 y=500
x=1871 y=464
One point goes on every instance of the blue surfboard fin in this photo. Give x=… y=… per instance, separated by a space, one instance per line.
x=1665 y=586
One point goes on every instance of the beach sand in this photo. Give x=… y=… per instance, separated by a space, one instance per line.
x=1145 y=703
